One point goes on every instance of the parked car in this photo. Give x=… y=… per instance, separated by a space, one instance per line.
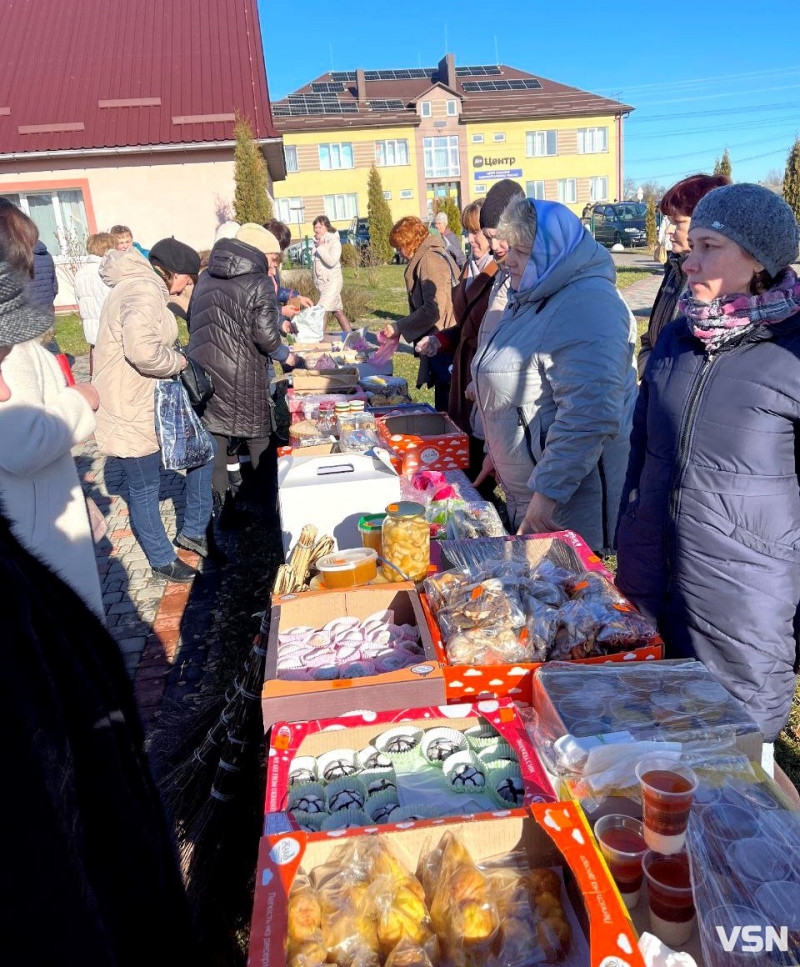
x=359 y=233
x=620 y=224
x=300 y=252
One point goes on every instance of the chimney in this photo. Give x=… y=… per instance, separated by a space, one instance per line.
x=447 y=71
x=361 y=85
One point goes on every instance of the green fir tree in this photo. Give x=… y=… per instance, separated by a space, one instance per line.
x=650 y=223
x=447 y=204
x=380 y=219
x=250 y=202
x=722 y=166
x=791 y=180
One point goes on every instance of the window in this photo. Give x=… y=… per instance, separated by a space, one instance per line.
x=480 y=189
x=592 y=140
x=389 y=153
x=567 y=191
x=59 y=215
x=290 y=154
x=387 y=195
x=540 y=144
x=535 y=189
x=333 y=156
x=406 y=193
x=425 y=109
x=477 y=139
x=290 y=210
x=498 y=136
x=340 y=207
x=452 y=109
x=598 y=189
x=441 y=157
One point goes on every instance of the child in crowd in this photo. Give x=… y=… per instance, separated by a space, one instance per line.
x=90 y=290
x=123 y=240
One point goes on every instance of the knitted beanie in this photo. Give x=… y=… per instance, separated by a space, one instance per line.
x=498 y=196
x=20 y=319
x=175 y=256
x=756 y=219
x=259 y=238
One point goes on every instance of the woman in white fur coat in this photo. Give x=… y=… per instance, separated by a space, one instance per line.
x=41 y=419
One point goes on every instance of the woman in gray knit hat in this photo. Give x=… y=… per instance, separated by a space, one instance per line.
x=709 y=532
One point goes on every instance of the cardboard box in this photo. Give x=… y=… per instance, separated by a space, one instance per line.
x=357 y=730
x=440 y=443
x=400 y=409
x=324 y=381
x=555 y=836
x=288 y=701
x=332 y=492
x=469 y=683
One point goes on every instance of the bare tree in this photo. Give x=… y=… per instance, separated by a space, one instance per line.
x=774 y=181
x=628 y=189
x=73 y=255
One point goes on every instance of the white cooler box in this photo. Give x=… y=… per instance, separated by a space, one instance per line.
x=332 y=492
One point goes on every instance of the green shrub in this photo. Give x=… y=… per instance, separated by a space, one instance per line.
x=356 y=302
x=380 y=220
x=350 y=256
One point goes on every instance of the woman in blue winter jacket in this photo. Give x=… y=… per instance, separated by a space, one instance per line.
x=709 y=530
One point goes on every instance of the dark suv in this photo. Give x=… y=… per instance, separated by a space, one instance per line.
x=620 y=224
x=359 y=233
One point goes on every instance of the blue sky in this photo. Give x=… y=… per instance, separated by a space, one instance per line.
x=701 y=75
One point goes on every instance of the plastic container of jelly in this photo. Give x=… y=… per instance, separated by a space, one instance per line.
x=350 y=568
x=369 y=526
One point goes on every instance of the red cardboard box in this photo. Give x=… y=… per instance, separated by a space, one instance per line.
x=440 y=444
x=358 y=729
x=421 y=683
x=469 y=683
x=555 y=836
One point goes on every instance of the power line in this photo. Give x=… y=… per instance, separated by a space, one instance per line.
x=661 y=85
x=734 y=161
x=685 y=131
x=694 y=154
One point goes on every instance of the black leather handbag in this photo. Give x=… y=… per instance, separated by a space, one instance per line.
x=196 y=381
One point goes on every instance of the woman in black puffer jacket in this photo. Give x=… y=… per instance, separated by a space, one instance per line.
x=709 y=532
x=235 y=327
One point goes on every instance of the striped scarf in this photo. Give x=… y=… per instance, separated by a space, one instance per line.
x=729 y=319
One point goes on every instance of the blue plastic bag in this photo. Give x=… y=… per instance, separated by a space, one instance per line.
x=185 y=443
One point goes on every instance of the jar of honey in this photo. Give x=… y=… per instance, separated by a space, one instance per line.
x=369 y=526
x=349 y=568
x=405 y=542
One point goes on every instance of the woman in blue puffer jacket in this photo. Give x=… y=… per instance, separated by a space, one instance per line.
x=709 y=532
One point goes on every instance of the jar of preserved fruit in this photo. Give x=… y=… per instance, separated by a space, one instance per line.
x=405 y=542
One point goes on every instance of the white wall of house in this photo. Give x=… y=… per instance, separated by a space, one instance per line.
x=185 y=194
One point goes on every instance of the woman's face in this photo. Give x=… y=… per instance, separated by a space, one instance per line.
x=179 y=283
x=516 y=260
x=272 y=262
x=499 y=246
x=678 y=232
x=479 y=243
x=319 y=230
x=717 y=266
x=5 y=392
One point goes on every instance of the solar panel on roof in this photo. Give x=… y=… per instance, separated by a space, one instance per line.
x=481 y=71
x=517 y=84
x=389 y=104
x=343 y=75
x=325 y=87
x=302 y=107
x=316 y=98
x=404 y=74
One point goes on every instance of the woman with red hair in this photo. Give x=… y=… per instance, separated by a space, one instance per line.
x=429 y=278
x=678 y=204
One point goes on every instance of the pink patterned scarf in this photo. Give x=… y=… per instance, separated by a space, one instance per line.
x=728 y=319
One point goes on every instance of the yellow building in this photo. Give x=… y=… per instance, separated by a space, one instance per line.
x=442 y=131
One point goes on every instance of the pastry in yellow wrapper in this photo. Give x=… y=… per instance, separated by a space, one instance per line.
x=304 y=914
x=534 y=925
x=308 y=953
x=408 y=954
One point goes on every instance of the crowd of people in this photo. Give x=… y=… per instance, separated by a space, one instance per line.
x=689 y=471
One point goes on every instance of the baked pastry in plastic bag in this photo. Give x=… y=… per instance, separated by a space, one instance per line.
x=408 y=954
x=534 y=925
x=540 y=630
x=591 y=586
x=622 y=627
x=304 y=942
x=577 y=628
x=487 y=646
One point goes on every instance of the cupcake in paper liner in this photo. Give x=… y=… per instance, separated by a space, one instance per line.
x=345 y=819
x=481 y=736
x=308 y=798
x=440 y=743
x=336 y=764
x=379 y=781
x=357 y=669
x=465 y=772
x=400 y=743
x=496 y=751
x=302 y=770
x=346 y=793
x=382 y=807
x=309 y=822
x=414 y=812
x=371 y=760
x=506 y=785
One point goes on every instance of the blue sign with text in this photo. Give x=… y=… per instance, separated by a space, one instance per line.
x=494 y=175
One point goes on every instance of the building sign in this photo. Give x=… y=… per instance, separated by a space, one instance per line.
x=498 y=173
x=486 y=161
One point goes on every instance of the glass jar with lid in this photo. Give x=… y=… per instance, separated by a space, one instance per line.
x=405 y=542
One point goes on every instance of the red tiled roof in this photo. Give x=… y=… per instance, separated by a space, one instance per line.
x=551 y=100
x=97 y=74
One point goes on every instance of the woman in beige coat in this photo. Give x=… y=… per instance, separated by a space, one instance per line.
x=135 y=349
x=326 y=269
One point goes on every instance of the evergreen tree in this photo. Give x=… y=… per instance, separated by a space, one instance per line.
x=448 y=205
x=722 y=166
x=650 y=223
x=250 y=202
x=791 y=180
x=380 y=219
